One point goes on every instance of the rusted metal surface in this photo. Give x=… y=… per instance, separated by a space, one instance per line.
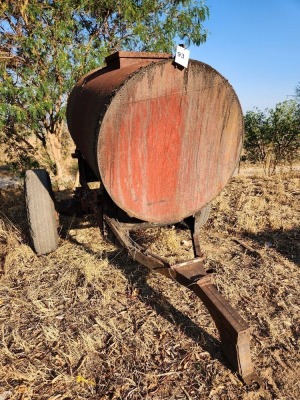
x=91 y=97
x=122 y=59
x=164 y=141
x=234 y=331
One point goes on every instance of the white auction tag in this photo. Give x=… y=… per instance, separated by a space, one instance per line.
x=182 y=56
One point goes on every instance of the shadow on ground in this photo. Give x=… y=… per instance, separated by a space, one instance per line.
x=287 y=243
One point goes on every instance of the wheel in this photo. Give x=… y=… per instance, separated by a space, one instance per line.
x=41 y=214
x=202 y=216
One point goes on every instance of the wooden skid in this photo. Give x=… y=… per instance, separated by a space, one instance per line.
x=234 y=331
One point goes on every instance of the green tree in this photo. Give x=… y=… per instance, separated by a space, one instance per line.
x=47 y=45
x=297 y=93
x=272 y=137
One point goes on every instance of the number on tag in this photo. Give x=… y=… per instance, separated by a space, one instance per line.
x=182 y=56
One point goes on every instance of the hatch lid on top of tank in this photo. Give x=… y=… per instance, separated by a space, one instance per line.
x=122 y=59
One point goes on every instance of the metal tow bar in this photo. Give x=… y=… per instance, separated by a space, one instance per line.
x=234 y=331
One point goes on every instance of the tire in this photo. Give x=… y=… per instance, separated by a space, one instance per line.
x=41 y=214
x=203 y=215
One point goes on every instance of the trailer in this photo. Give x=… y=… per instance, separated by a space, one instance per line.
x=162 y=141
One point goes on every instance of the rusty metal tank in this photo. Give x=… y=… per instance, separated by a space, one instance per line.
x=163 y=140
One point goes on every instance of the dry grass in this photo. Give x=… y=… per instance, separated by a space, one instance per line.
x=88 y=323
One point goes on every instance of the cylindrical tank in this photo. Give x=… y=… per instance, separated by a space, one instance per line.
x=163 y=140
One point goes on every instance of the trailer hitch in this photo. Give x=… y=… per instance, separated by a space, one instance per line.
x=233 y=329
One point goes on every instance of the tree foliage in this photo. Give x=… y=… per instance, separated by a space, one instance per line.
x=47 y=45
x=273 y=136
x=297 y=93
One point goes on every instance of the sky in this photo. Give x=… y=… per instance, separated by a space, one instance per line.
x=255 y=44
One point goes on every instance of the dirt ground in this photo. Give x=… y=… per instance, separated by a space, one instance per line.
x=86 y=322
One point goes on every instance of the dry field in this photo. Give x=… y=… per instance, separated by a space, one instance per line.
x=86 y=322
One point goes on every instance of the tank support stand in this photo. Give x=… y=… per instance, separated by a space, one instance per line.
x=234 y=331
